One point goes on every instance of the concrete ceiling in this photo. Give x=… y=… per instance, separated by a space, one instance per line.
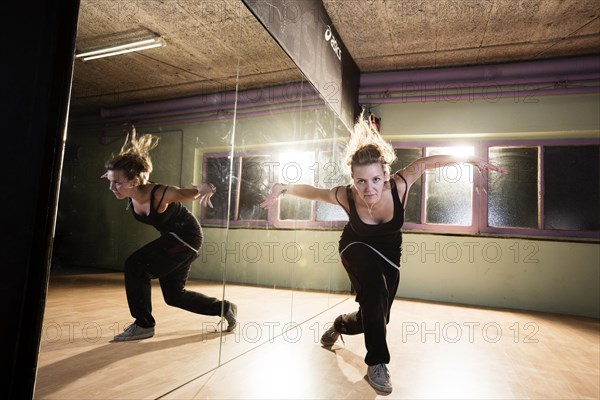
x=204 y=39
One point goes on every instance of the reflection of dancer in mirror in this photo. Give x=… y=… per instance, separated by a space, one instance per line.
x=169 y=257
x=370 y=244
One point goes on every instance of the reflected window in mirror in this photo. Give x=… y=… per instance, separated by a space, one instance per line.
x=330 y=174
x=297 y=168
x=248 y=184
x=322 y=168
x=253 y=187
x=253 y=174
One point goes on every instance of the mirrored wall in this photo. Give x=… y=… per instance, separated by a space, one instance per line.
x=280 y=266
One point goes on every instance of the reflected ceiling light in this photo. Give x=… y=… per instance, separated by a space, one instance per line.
x=122 y=49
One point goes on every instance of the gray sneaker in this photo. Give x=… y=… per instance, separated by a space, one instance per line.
x=134 y=332
x=330 y=337
x=379 y=378
x=231 y=317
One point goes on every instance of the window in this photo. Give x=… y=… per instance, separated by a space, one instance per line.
x=252 y=177
x=551 y=189
x=330 y=174
x=249 y=183
x=320 y=168
x=442 y=198
x=571 y=188
x=513 y=199
x=405 y=156
x=449 y=190
x=297 y=167
x=217 y=170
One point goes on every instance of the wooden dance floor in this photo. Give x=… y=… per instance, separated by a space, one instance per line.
x=438 y=350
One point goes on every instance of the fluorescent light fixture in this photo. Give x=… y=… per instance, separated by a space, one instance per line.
x=121 y=49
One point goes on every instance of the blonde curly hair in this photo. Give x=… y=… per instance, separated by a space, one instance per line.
x=366 y=146
x=134 y=157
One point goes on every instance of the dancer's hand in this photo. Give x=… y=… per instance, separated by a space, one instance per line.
x=276 y=190
x=205 y=192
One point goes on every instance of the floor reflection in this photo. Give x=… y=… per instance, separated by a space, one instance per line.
x=77 y=359
x=438 y=351
x=85 y=310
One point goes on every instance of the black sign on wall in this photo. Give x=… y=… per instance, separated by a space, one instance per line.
x=305 y=32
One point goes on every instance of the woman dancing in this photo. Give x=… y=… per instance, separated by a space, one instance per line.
x=169 y=257
x=370 y=244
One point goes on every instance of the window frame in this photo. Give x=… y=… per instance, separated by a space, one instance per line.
x=441 y=228
x=272 y=220
x=541 y=231
x=235 y=203
x=313 y=223
x=479 y=194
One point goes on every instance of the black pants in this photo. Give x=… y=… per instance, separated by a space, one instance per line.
x=170 y=261
x=376 y=283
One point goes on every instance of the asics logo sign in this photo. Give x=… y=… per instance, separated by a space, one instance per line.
x=333 y=42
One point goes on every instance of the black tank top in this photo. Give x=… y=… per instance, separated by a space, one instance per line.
x=176 y=218
x=385 y=237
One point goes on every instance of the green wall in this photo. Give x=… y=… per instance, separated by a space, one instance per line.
x=562 y=276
